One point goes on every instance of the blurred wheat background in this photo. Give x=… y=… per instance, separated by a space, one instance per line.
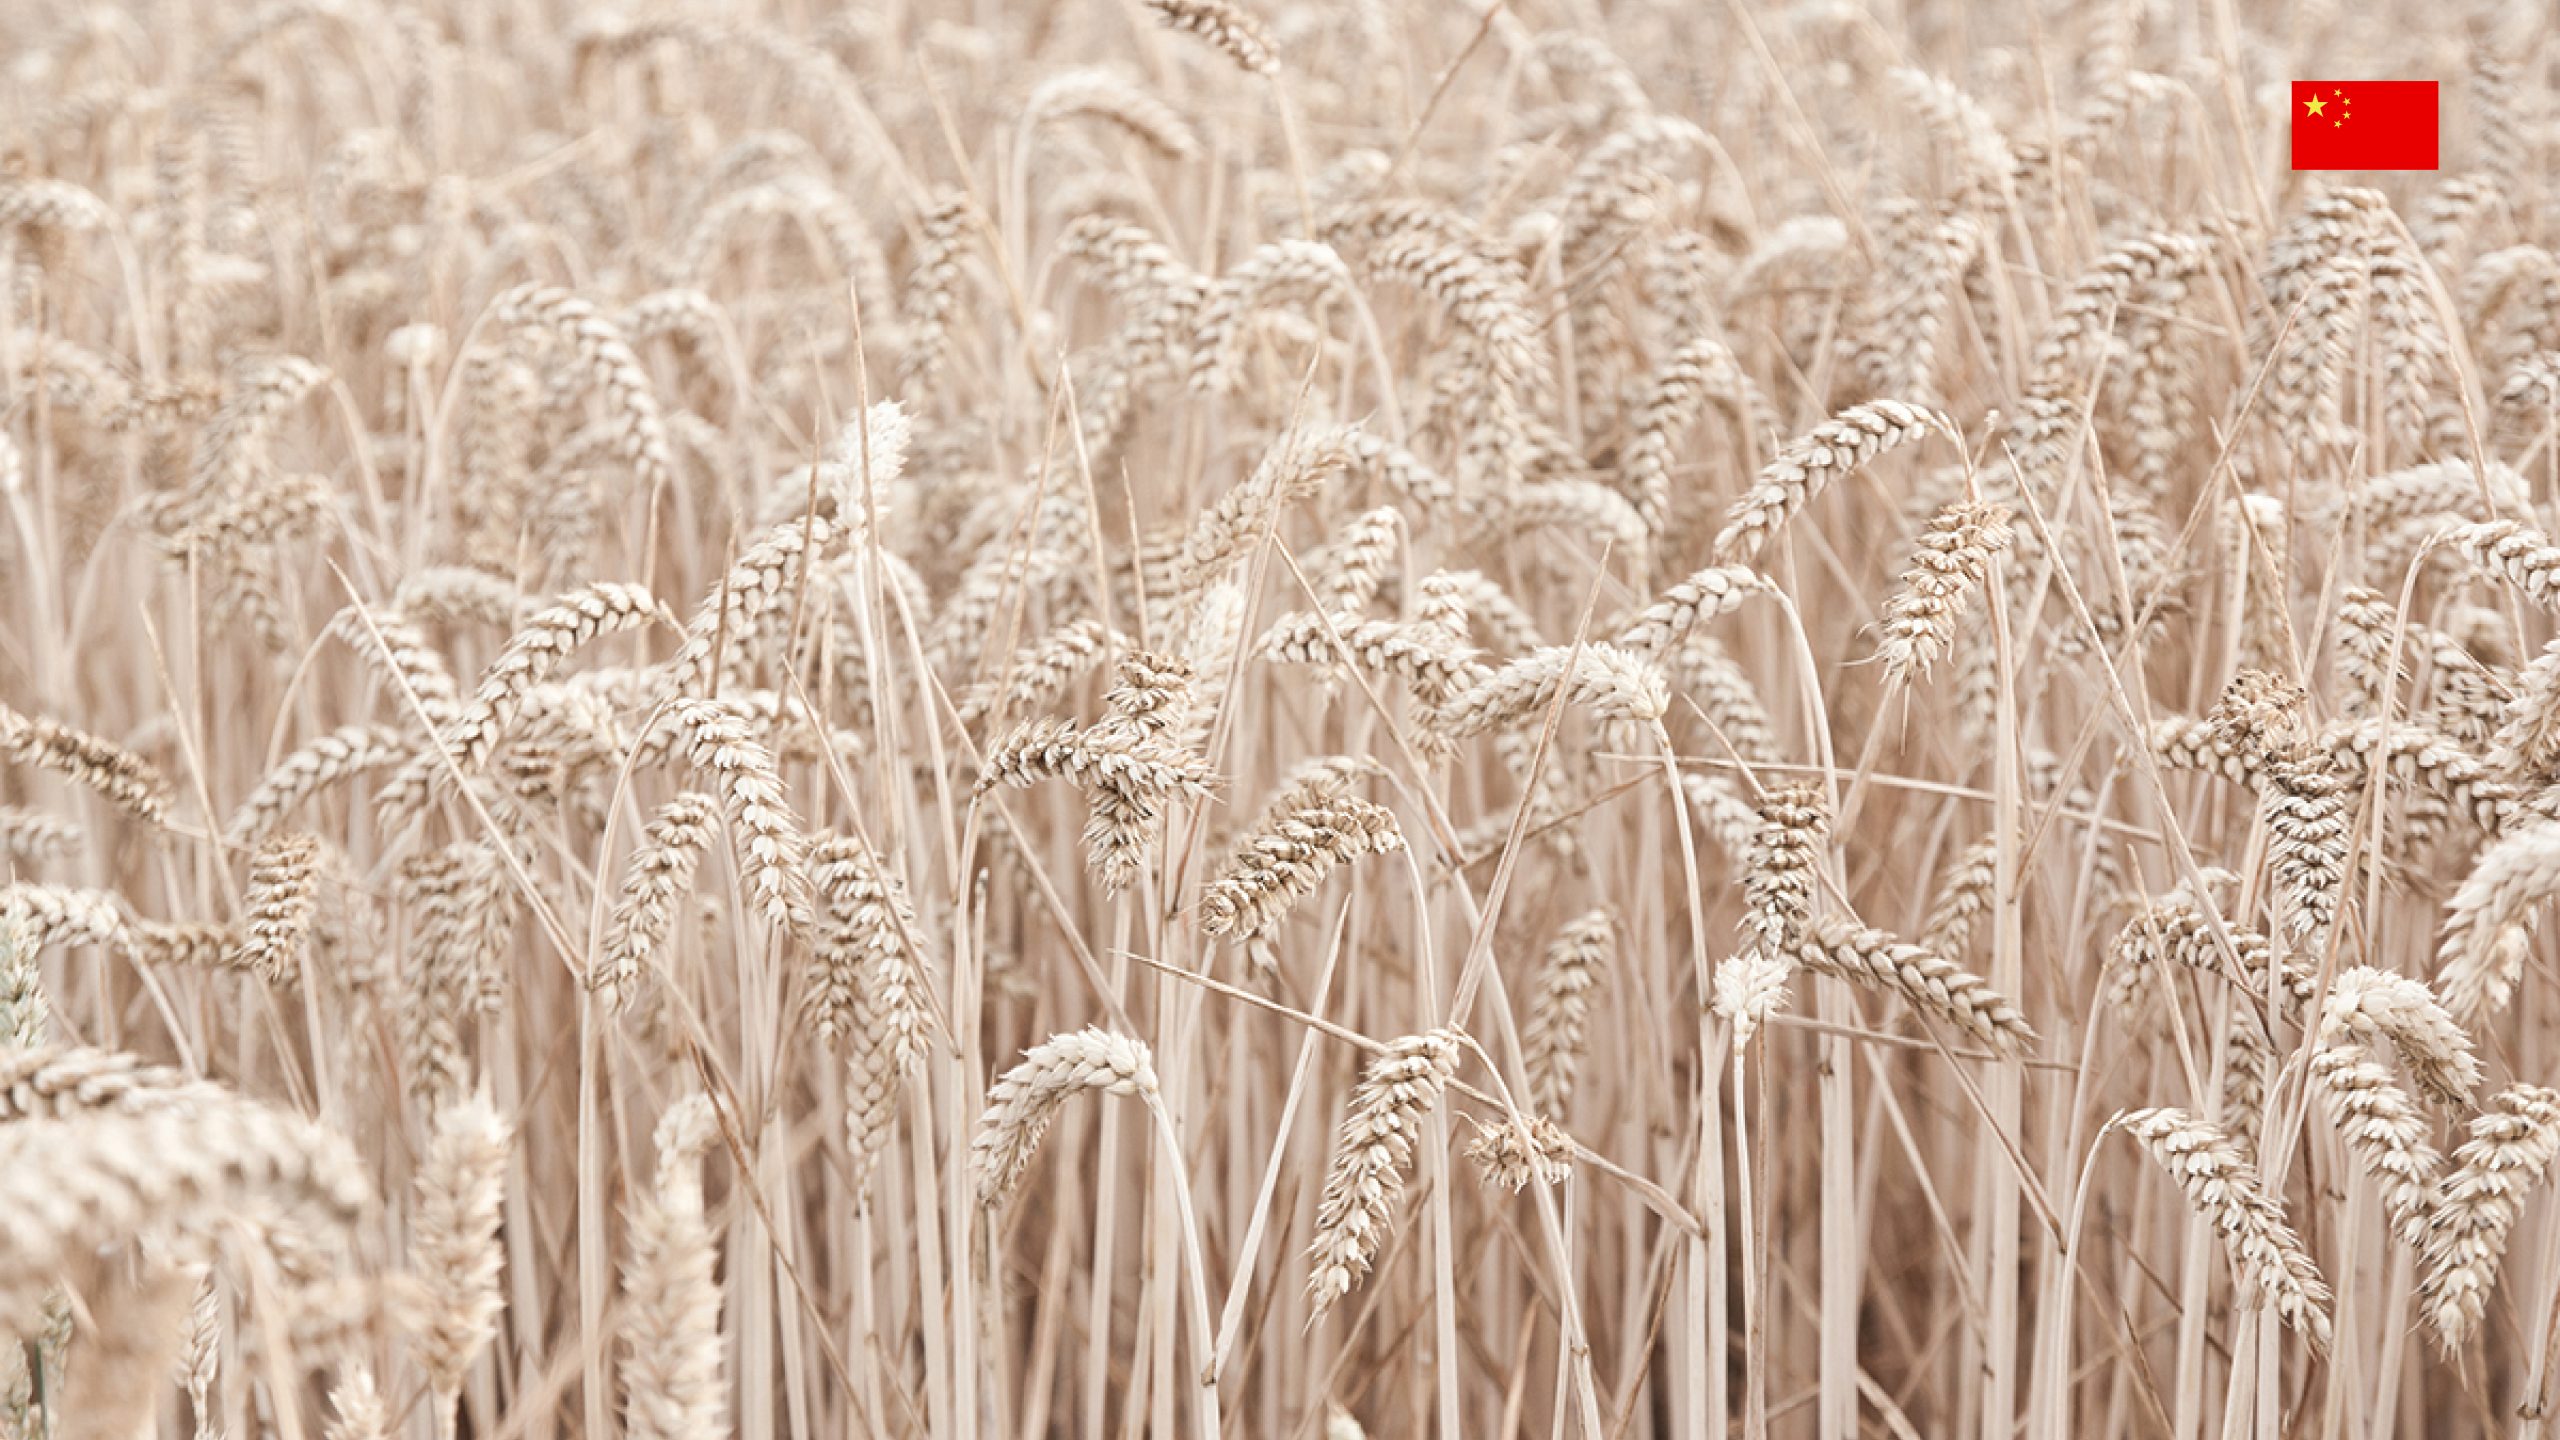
x=1132 y=717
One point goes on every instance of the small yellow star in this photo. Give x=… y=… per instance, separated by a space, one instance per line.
x=2313 y=105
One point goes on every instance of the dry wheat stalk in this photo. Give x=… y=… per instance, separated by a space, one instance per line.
x=936 y=356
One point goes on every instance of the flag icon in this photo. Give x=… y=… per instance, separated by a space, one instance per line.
x=2364 y=125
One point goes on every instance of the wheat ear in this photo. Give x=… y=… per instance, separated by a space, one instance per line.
x=1371 y=1153
x=2477 y=1203
x=455 y=1250
x=283 y=876
x=1948 y=564
x=672 y=1387
x=1807 y=465
x=128 y=781
x=869 y=994
x=1026 y=1098
x=1929 y=983
x=2222 y=1187
x=1279 y=862
x=654 y=884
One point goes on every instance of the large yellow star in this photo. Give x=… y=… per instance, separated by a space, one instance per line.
x=2313 y=105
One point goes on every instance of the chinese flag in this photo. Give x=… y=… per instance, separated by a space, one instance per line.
x=2364 y=125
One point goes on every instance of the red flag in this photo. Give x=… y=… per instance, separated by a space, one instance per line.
x=2364 y=125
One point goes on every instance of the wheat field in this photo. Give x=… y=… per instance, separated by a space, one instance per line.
x=1189 y=718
